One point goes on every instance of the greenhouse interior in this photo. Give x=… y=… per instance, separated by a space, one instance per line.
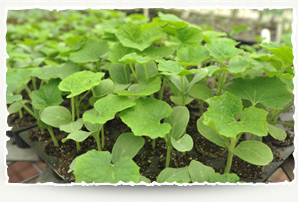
x=150 y=96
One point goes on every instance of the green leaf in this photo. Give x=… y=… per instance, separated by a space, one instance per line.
x=227 y=177
x=254 y=152
x=140 y=71
x=73 y=126
x=79 y=82
x=171 y=66
x=199 y=172
x=269 y=91
x=47 y=95
x=92 y=127
x=10 y=98
x=131 y=35
x=190 y=36
x=285 y=53
x=170 y=175
x=178 y=100
x=211 y=134
x=133 y=57
x=200 y=91
x=78 y=136
x=107 y=108
x=56 y=116
x=214 y=69
x=222 y=50
x=144 y=179
x=16 y=106
x=105 y=87
x=126 y=145
x=117 y=52
x=142 y=90
x=144 y=118
x=178 y=120
x=276 y=132
x=120 y=73
x=157 y=52
x=95 y=166
x=173 y=20
x=202 y=73
x=185 y=143
x=224 y=109
x=91 y=51
x=191 y=56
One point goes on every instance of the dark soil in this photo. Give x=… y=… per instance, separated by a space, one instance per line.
x=245 y=169
x=286 y=142
x=25 y=121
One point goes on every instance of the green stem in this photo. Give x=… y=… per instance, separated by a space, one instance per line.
x=31 y=112
x=34 y=82
x=93 y=93
x=230 y=155
x=133 y=71
x=182 y=86
x=213 y=82
x=281 y=111
x=72 y=109
x=260 y=138
x=281 y=71
x=20 y=114
x=153 y=144
x=282 y=123
x=41 y=83
x=83 y=97
x=28 y=90
x=77 y=107
x=201 y=107
x=50 y=129
x=252 y=136
x=183 y=153
x=145 y=69
x=238 y=138
x=160 y=93
x=78 y=146
x=169 y=149
x=102 y=137
x=269 y=113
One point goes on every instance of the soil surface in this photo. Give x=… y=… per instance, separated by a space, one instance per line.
x=26 y=121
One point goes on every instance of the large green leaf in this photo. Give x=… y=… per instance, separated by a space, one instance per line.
x=117 y=52
x=144 y=118
x=92 y=127
x=73 y=126
x=91 y=51
x=254 y=152
x=185 y=143
x=276 y=133
x=200 y=91
x=269 y=91
x=78 y=136
x=56 y=116
x=141 y=74
x=95 y=166
x=133 y=57
x=211 y=134
x=105 y=87
x=222 y=114
x=178 y=120
x=47 y=95
x=227 y=177
x=222 y=50
x=172 y=20
x=126 y=145
x=131 y=35
x=179 y=175
x=157 y=52
x=190 y=36
x=79 y=82
x=191 y=56
x=199 y=172
x=120 y=73
x=107 y=108
x=285 y=53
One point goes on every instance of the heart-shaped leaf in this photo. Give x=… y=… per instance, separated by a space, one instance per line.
x=200 y=91
x=222 y=50
x=185 y=143
x=254 y=152
x=172 y=20
x=269 y=91
x=191 y=56
x=157 y=52
x=179 y=175
x=120 y=73
x=95 y=166
x=56 y=116
x=144 y=118
x=47 y=95
x=126 y=145
x=117 y=52
x=199 y=172
x=79 y=82
x=105 y=87
x=91 y=51
x=133 y=57
x=190 y=36
x=222 y=114
x=107 y=108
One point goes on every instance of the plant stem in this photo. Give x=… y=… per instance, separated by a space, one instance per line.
x=201 y=107
x=145 y=69
x=213 y=82
x=160 y=93
x=28 y=90
x=102 y=137
x=34 y=82
x=153 y=144
x=77 y=107
x=281 y=71
x=133 y=71
x=20 y=113
x=84 y=96
x=31 y=112
x=238 y=138
x=269 y=113
x=93 y=93
x=183 y=153
x=50 y=129
x=230 y=155
x=72 y=109
x=182 y=88
x=281 y=111
x=41 y=83
x=260 y=138
x=169 y=149
x=78 y=146
x=251 y=137
x=286 y=124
